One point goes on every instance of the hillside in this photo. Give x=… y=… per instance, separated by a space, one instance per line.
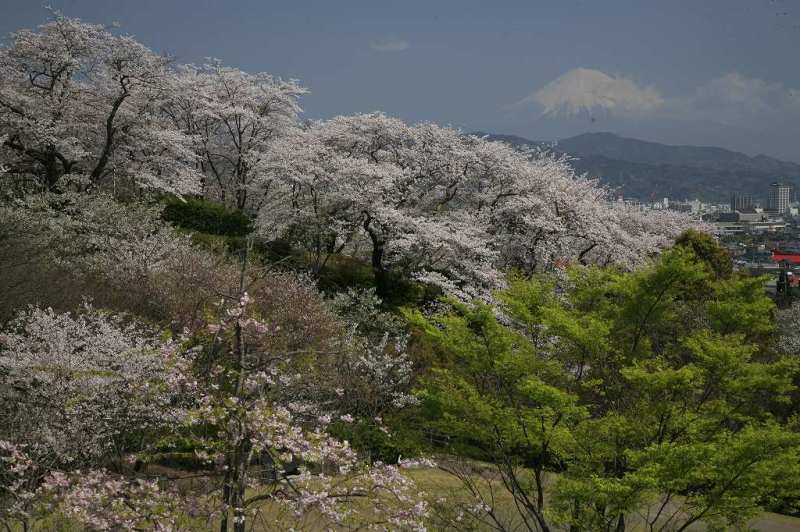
x=218 y=315
x=642 y=169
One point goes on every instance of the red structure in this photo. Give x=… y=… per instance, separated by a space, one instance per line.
x=781 y=255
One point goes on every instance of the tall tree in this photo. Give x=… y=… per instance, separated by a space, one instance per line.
x=234 y=117
x=79 y=101
x=632 y=398
x=451 y=209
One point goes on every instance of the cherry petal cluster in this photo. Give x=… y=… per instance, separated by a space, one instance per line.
x=451 y=209
x=75 y=385
x=99 y=500
x=79 y=100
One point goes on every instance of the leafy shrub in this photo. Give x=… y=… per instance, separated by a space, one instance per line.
x=342 y=272
x=207 y=217
x=707 y=251
x=385 y=446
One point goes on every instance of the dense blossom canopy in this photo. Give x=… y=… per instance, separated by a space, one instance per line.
x=80 y=104
x=82 y=107
x=453 y=209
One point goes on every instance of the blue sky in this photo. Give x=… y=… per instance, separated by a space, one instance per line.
x=715 y=72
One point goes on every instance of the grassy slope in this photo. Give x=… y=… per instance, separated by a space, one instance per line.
x=439 y=483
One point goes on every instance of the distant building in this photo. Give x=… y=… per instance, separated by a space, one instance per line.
x=750 y=222
x=694 y=206
x=741 y=202
x=681 y=207
x=779 y=195
x=751 y=216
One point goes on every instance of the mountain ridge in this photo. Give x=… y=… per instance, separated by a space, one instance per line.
x=646 y=170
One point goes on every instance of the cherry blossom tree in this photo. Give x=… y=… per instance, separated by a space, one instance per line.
x=269 y=433
x=74 y=386
x=234 y=117
x=641 y=234
x=79 y=103
x=78 y=390
x=450 y=209
x=99 y=500
x=357 y=180
x=371 y=375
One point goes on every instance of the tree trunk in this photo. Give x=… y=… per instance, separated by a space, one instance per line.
x=226 y=497
x=100 y=167
x=241 y=199
x=620 y=524
x=52 y=175
x=382 y=280
x=239 y=517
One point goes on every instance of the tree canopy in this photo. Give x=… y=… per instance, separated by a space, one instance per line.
x=645 y=397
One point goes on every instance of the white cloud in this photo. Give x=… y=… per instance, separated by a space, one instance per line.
x=730 y=100
x=389 y=45
x=738 y=100
x=586 y=90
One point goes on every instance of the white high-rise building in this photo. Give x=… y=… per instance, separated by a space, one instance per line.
x=779 y=194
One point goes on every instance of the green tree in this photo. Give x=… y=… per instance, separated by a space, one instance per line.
x=492 y=398
x=705 y=248
x=631 y=399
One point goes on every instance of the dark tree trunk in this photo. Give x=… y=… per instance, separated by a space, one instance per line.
x=111 y=130
x=241 y=199
x=51 y=170
x=226 y=496
x=382 y=278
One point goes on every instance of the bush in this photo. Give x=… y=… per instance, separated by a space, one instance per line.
x=368 y=438
x=343 y=272
x=708 y=251
x=207 y=217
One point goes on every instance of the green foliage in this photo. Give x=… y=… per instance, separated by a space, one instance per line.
x=706 y=249
x=740 y=305
x=492 y=398
x=341 y=273
x=724 y=478
x=207 y=217
x=635 y=391
x=376 y=442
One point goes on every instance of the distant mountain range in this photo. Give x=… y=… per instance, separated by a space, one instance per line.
x=649 y=170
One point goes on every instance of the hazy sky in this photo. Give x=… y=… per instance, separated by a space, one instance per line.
x=716 y=72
